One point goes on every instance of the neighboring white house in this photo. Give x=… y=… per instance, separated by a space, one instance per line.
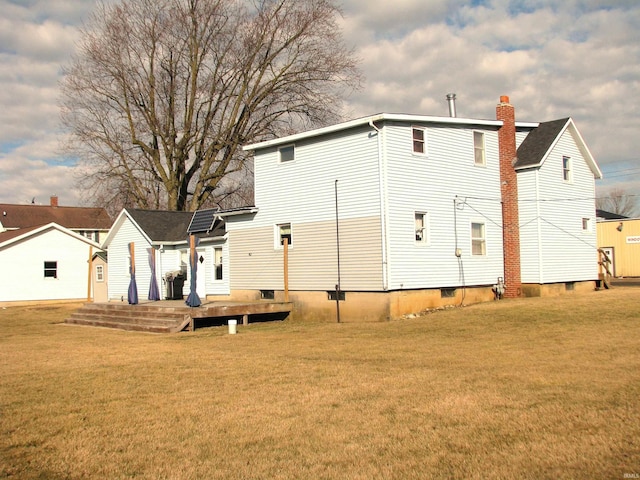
x=45 y=263
x=166 y=233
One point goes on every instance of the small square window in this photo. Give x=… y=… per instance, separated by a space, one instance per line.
x=421 y=227
x=287 y=154
x=447 y=293
x=586 y=224
x=478 y=242
x=333 y=295
x=284 y=233
x=478 y=148
x=50 y=269
x=419 y=145
x=267 y=294
x=566 y=169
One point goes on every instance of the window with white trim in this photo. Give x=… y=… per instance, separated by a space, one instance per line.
x=287 y=153
x=283 y=231
x=50 y=269
x=99 y=273
x=478 y=149
x=478 y=240
x=421 y=228
x=586 y=224
x=419 y=140
x=566 y=169
x=217 y=263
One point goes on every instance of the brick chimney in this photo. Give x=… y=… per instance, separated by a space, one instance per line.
x=53 y=201
x=509 y=190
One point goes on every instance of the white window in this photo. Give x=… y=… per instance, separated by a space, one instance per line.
x=217 y=263
x=478 y=148
x=419 y=141
x=99 y=273
x=283 y=232
x=586 y=224
x=287 y=153
x=478 y=241
x=422 y=228
x=50 y=269
x=566 y=169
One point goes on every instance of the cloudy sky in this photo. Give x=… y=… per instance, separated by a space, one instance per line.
x=554 y=58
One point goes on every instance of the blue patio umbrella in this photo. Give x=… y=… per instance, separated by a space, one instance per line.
x=193 y=300
x=154 y=292
x=132 y=294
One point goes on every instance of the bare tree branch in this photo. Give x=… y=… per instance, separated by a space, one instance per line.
x=162 y=94
x=618 y=201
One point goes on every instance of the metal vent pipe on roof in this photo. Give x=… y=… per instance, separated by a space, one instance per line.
x=451 y=99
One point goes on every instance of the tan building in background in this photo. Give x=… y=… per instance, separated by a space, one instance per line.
x=620 y=239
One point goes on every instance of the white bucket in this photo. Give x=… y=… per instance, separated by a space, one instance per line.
x=232 y=327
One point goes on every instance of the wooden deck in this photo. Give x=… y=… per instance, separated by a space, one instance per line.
x=168 y=316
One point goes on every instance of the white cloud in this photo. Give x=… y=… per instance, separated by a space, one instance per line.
x=554 y=58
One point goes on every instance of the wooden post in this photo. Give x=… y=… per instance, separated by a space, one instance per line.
x=89 y=274
x=245 y=319
x=286 y=269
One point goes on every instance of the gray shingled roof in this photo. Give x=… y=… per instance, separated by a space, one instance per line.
x=161 y=225
x=534 y=147
x=170 y=226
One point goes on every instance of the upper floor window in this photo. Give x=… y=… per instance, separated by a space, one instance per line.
x=478 y=148
x=287 y=153
x=586 y=224
x=283 y=232
x=422 y=227
x=50 y=269
x=478 y=241
x=419 y=140
x=566 y=169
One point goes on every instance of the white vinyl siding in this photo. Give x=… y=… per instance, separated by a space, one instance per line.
x=303 y=194
x=554 y=247
x=415 y=185
x=25 y=263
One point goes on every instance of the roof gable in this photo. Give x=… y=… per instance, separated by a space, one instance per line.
x=537 y=145
x=78 y=218
x=161 y=225
x=14 y=236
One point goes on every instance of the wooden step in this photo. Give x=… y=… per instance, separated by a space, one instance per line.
x=132 y=317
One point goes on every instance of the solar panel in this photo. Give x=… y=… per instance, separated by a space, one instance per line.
x=202 y=220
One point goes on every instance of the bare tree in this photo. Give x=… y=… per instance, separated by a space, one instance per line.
x=618 y=201
x=161 y=94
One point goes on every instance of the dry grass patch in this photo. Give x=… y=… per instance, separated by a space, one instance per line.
x=534 y=388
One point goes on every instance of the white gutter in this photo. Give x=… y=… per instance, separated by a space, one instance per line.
x=383 y=207
x=367 y=120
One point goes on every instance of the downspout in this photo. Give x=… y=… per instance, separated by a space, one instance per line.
x=383 y=207
x=539 y=225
